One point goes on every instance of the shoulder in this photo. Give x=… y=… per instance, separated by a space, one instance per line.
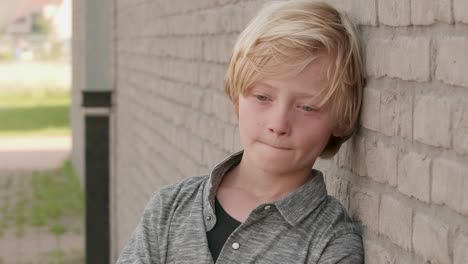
x=341 y=238
x=339 y=222
x=184 y=185
x=171 y=195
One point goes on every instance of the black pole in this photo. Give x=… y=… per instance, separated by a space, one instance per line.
x=97 y=162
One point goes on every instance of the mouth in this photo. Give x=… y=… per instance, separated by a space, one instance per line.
x=277 y=147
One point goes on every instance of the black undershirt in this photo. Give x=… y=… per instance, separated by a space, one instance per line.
x=223 y=228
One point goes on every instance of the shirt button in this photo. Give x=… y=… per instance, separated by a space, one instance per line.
x=267 y=207
x=235 y=245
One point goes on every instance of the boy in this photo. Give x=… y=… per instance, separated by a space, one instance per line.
x=295 y=81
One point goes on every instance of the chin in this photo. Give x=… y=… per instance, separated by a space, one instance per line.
x=273 y=157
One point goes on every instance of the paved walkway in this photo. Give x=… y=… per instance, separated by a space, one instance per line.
x=33 y=153
x=18 y=156
x=39 y=246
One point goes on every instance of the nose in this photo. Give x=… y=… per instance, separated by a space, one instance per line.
x=279 y=123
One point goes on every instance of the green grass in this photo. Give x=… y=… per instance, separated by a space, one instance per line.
x=57 y=195
x=51 y=199
x=59 y=256
x=35 y=112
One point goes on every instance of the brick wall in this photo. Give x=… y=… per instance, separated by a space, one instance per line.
x=404 y=176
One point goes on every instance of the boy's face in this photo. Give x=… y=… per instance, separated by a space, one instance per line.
x=281 y=128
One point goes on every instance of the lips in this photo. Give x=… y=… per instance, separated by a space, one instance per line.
x=277 y=147
x=281 y=148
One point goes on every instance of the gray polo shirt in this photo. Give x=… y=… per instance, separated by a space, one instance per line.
x=305 y=226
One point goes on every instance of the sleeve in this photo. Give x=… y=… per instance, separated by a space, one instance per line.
x=143 y=245
x=345 y=249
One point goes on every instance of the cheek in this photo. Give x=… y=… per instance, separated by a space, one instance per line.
x=249 y=114
x=314 y=132
x=249 y=122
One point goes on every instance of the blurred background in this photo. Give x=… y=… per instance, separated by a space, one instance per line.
x=41 y=200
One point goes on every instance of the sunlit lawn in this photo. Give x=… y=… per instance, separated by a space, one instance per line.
x=34 y=112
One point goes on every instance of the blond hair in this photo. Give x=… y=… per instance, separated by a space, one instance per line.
x=284 y=38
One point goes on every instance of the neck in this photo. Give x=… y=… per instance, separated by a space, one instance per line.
x=263 y=184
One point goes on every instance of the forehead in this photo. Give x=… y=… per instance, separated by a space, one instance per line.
x=311 y=80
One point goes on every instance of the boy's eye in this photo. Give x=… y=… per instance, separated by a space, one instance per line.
x=261 y=97
x=306 y=108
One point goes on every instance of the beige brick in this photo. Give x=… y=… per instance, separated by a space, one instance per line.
x=202 y=128
x=422 y=12
x=364 y=206
x=225 y=19
x=237 y=140
x=222 y=107
x=191 y=122
x=362 y=12
x=430 y=239
x=443 y=10
x=358 y=156
x=187 y=166
x=207 y=21
x=381 y=163
x=375 y=253
x=460 y=127
x=216 y=133
x=405 y=114
x=372 y=167
x=218 y=48
x=181 y=47
x=448 y=178
x=459 y=9
x=225 y=2
x=394 y=12
x=413 y=175
x=388 y=112
x=182 y=70
x=464 y=208
x=183 y=5
x=460 y=254
x=395 y=221
x=344 y=155
x=250 y=9
x=195 y=148
x=340 y=5
x=452 y=60
x=339 y=189
x=231 y=19
x=211 y=75
x=371 y=109
x=401 y=57
x=432 y=121
x=228 y=140
x=212 y=155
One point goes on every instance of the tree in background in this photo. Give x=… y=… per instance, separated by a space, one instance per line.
x=41 y=25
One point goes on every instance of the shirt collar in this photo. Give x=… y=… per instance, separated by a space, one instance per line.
x=293 y=207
